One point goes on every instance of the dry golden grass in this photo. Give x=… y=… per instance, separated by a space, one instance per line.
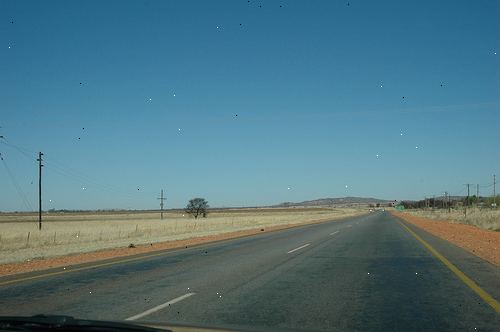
x=482 y=218
x=68 y=233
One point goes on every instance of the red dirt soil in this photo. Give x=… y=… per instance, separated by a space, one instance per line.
x=480 y=242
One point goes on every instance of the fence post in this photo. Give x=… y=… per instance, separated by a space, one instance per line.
x=54 y=237
x=28 y=239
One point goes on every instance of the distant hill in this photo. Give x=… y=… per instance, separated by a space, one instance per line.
x=339 y=201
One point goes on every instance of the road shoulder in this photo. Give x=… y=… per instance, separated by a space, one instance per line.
x=479 y=242
x=481 y=271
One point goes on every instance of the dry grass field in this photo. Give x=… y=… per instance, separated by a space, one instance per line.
x=483 y=218
x=69 y=233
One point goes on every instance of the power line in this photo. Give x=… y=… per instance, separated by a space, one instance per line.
x=61 y=169
x=16 y=185
x=25 y=152
x=56 y=168
x=85 y=178
x=64 y=170
x=458 y=193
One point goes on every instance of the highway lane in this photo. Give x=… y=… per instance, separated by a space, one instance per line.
x=362 y=273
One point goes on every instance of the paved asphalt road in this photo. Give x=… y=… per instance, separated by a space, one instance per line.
x=362 y=273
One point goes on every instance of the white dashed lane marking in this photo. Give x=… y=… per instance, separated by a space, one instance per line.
x=161 y=306
x=301 y=247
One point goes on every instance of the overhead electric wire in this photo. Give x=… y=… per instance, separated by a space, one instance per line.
x=16 y=185
x=79 y=179
x=72 y=173
x=57 y=167
x=24 y=151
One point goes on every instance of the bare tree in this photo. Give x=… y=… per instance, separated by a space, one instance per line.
x=197 y=206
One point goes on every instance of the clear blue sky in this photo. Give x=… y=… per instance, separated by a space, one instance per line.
x=317 y=87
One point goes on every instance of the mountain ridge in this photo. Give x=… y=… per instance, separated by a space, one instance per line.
x=336 y=201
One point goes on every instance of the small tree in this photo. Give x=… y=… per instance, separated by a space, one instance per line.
x=197 y=206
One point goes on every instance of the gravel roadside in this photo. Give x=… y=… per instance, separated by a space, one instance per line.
x=480 y=242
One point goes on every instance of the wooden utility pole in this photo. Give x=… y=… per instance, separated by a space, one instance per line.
x=449 y=203
x=494 y=191
x=468 y=194
x=447 y=200
x=161 y=203
x=477 y=194
x=40 y=190
x=467 y=202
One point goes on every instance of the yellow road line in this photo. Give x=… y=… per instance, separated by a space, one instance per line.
x=466 y=280
x=50 y=274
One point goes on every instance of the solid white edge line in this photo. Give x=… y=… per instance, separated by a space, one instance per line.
x=334 y=233
x=305 y=245
x=161 y=306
